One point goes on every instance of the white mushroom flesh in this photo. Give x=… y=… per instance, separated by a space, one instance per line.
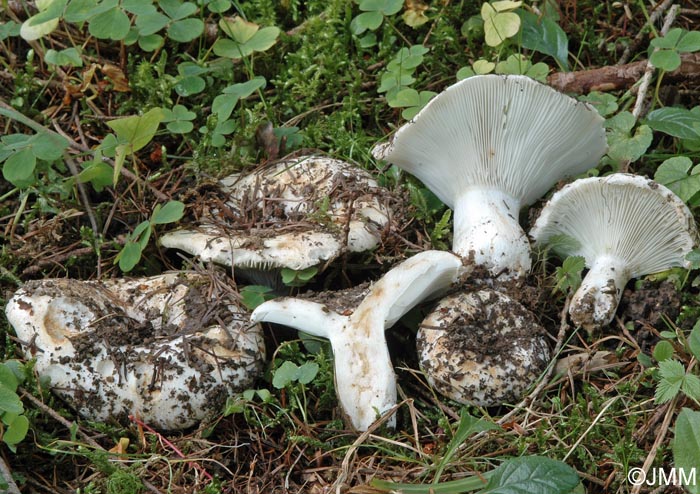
x=294 y=214
x=624 y=226
x=364 y=375
x=154 y=348
x=482 y=348
x=508 y=136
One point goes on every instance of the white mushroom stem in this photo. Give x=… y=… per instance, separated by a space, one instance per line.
x=486 y=224
x=595 y=302
x=364 y=375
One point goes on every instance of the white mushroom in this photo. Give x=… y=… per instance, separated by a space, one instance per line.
x=364 y=376
x=295 y=214
x=168 y=349
x=625 y=226
x=482 y=348
x=489 y=145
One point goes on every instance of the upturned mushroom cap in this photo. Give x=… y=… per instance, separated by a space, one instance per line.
x=624 y=226
x=153 y=347
x=364 y=375
x=489 y=145
x=482 y=348
x=295 y=214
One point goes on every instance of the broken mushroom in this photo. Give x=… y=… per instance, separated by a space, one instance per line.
x=624 y=226
x=296 y=214
x=169 y=349
x=364 y=376
x=489 y=145
x=482 y=348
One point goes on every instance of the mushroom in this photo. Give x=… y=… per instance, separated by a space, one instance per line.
x=489 y=145
x=482 y=348
x=624 y=226
x=168 y=349
x=295 y=214
x=364 y=376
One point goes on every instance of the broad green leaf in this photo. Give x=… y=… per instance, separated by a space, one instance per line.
x=506 y=5
x=307 y=372
x=691 y=387
x=138 y=7
x=667 y=60
x=171 y=212
x=9 y=401
x=686 y=444
x=285 y=374
x=142 y=234
x=386 y=7
x=16 y=431
x=672 y=374
x=79 y=10
x=240 y=30
x=483 y=67
x=689 y=42
x=694 y=341
x=254 y=295
x=219 y=6
x=677 y=122
x=45 y=21
x=151 y=23
x=669 y=41
x=223 y=104
x=498 y=25
x=98 y=173
x=176 y=9
x=137 y=131
x=366 y=21
x=185 y=30
x=9 y=29
x=545 y=36
x=69 y=56
x=8 y=377
x=663 y=351
x=674 y=174
x=19 y=168
x=623 y=146
x=113 y=24
x=604 y=103
x=263 y=39
x=531 y=475
x=190 y=85
x=129 y=256
x=48 y=147
x=569 y=273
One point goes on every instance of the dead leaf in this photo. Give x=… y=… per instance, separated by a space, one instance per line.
x=414 y=15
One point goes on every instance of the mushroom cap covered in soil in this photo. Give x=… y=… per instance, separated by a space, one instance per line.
x=489 y=145
x=295 y=213
x=354 y=323
x=168 y=349
x=482 y=348
x=624 y=226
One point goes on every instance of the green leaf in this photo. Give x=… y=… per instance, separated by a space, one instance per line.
x=663 y=351
x=187 y=86
x=171 y=212
x=569 y=273
x=239 y=29
x=185 y=30
x=667 y=60
x=686 y=444
x=530 y=475
x=9 y=401
x=694 y=341
x=674 y=174
x=366 y=21
x=291 y=277
x=16 y=431
x=254 y=295
x=672 y=373
x=545 y=36
x=69 y=56
x=129 y=256
x=176 y=9
x=113 y=24
x=689 y=42
x=48 y=147
x=499 y=25
x=8 y=377
x=691 y=387
x=19 y=168
x=676 y=122
x=285 y=374
x=386 y=7
x=98 y=173
x=79 y=10
x=223 y=104
x=137 y=131
x=43 y=23
x=151 y=43
x=605 y=103
x=307 y=372
x=623 y=146
x=151 y=23
x=482 y=67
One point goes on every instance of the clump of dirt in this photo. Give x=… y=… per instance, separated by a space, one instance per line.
x=646 y=305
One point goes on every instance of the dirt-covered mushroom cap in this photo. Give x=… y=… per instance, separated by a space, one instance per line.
x=489 y=145
x=624 y=226
x=364 y=375
x=296 y=213
x=168 y=349
x=482 y=348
